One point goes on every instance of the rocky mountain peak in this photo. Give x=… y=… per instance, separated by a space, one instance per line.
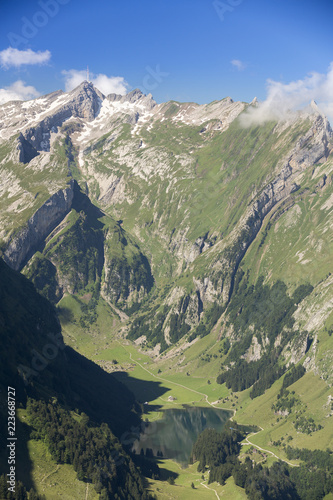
x=314 y=106
x=321 y=119
x=135 y=97
x=86 y=100
x=114 y=97
x=82 y=102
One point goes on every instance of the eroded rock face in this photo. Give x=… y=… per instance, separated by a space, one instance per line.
x=84 y=102
x=25 y=151
x=125 y=283
x=46 y=218
x=206 y=290
x=192 y=308
x=185 y=249
x=188 y=309
x=254 y=351
x=298 y=347
x=135 y=97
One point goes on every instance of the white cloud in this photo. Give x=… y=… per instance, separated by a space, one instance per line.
x=14 y=57
x=283 y=98
x=238 y=64
x=18 y=91
x=106 y=84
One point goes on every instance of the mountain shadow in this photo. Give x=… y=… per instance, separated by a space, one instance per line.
x=36 y=363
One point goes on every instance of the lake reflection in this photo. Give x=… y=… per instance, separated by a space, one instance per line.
x=175 y=434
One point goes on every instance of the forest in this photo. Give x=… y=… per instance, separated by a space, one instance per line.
x=219 y=452
x=268 y=311
x=95 y=453
x=20 y=493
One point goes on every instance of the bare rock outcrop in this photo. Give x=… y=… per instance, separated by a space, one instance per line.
x=84 y=102
x=25 y=151
x=43 y=221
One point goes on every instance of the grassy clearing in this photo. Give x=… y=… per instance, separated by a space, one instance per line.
x=53 y=480
x=172 y=380
x=140 y=370
x=182 y=488
x=88 y=341
x=313 y=392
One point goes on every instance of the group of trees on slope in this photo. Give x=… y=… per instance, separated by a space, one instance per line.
x=264 y=311
x=96 y=455
x=219 y=452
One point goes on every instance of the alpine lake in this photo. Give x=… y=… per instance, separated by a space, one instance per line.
x=174 y=435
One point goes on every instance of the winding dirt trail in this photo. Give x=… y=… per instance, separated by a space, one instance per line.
x=247 y=441
x=169 y=381
x=50 y=474
x=211 y=489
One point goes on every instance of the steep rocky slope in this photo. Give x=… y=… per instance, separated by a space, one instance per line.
x=168 y=210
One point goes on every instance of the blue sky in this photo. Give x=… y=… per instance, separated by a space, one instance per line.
x=186 y=50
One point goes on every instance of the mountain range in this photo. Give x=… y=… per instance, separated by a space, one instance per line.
x=185 y=222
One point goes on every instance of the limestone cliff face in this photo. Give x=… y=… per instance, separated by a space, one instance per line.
x=185 y=249
x=84 y=102
x=134 y=97
x=191 y=307
x=121 y=286
x=297 y=348
x=184 y=313
x=313 y=147
x=254 y=351
x=25 y=151
x=44 y=220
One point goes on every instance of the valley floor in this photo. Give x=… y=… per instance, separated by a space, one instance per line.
x=190 y=379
